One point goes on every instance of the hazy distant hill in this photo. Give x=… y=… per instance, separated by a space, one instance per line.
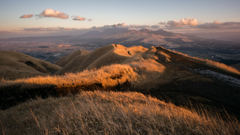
x=124 y=35
x=14 y=65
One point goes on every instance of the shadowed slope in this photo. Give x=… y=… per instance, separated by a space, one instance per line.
x=15 y=65
x=65 y=60
x=237 y=66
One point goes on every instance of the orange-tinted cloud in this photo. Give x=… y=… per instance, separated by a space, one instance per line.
x=217 y=22
x=27 y=16
x=53 y=13
x=183 y=22
x=78 y=18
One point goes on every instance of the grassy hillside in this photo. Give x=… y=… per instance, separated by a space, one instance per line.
x=14 y=65
x=110 y=54
x=68 y=108
x=205 y=62
x=110 y=113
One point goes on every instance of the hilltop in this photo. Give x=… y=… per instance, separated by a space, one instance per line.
x=204 y=86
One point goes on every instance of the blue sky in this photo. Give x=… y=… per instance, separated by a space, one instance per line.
x=108 y=12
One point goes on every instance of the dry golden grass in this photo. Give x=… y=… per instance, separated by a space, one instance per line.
x=106 y=76
x=110 y=113
x=221 y=66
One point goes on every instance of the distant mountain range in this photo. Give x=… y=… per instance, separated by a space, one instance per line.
x=143 y=36
x=192 y=45
x=148 y=38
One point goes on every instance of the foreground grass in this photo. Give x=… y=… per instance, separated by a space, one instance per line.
x=109 y=113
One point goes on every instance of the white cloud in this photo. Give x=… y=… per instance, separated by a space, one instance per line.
x=53 y=13
x=183 y=22
x=78 y=18
x=27 y=16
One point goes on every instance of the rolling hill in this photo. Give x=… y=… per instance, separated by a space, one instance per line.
x=14 y=65
x=208 y=89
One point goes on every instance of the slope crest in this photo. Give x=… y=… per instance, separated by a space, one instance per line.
x=110 y=54
x=63 y=61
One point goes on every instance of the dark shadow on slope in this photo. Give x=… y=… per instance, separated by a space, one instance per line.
x=214 y=96
x=15 y=94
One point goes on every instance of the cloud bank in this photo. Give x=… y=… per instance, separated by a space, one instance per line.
x=187 y=24
x=132 y=26
x=27 y=16
x=49 y=29
x=183 y=22
x=220 y=25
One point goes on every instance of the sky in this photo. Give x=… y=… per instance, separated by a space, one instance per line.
x=43 y=16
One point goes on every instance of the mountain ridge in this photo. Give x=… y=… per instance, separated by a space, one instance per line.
x=156 y=71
